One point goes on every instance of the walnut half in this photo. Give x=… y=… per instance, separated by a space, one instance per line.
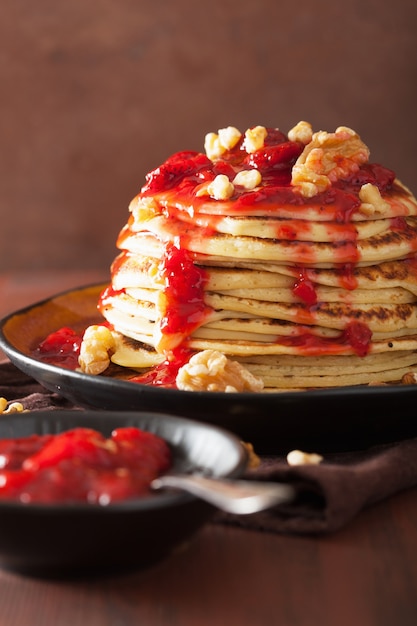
x=328 y=157
x=211 y=370
x=97 y=346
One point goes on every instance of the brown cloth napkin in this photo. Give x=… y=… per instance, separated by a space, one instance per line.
x=332 y=493
x=17 y=387
x=329 y=494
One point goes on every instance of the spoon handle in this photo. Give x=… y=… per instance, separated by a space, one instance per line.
x=233 y=496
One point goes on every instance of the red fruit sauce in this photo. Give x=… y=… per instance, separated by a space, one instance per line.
x=61 y=347
x=81 y=465
x=355 y=337
x=165 y=374
x=304 y=288
x=185 y=308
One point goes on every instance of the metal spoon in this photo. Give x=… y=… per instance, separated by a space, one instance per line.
x=233 y=496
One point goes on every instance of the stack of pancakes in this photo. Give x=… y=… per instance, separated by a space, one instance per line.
x=306 y=275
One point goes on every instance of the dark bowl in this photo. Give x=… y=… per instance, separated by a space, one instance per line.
x=63 y=539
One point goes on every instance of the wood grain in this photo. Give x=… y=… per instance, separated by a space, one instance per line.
x=366 y=574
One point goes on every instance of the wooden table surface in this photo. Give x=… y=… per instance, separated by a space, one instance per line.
x=363 y=575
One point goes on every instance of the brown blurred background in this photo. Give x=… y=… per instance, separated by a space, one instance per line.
x=95 y=94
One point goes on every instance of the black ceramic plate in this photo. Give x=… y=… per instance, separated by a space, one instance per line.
x=329 y=419
x=63 y=539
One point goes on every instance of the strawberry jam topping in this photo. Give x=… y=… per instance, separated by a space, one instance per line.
x=61 y=347
x=183 y=293
x=373 y=173
x=275 y=161
x=165 y=374
x=81 y=465
x=304 y=288
x=179 y=166
x=183 y=171
x=358 y=335
x=355 y=337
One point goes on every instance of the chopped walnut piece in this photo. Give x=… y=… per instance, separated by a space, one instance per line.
x=211 y=370
x=249 y=179
x=328 y=157
x=253 y=459
x=229 y=137
x=254 y=139
x=10 y=407
x=213 y=147
x=372 y=201
x=302 y=132
x=410 y=378
x=216 y=144
x=220 y=188
x=97 y=346
x=297 y=457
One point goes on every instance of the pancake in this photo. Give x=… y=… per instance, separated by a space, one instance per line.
x=293 y=255
x=132 y=271
x=270 y=227
x=386 y=246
